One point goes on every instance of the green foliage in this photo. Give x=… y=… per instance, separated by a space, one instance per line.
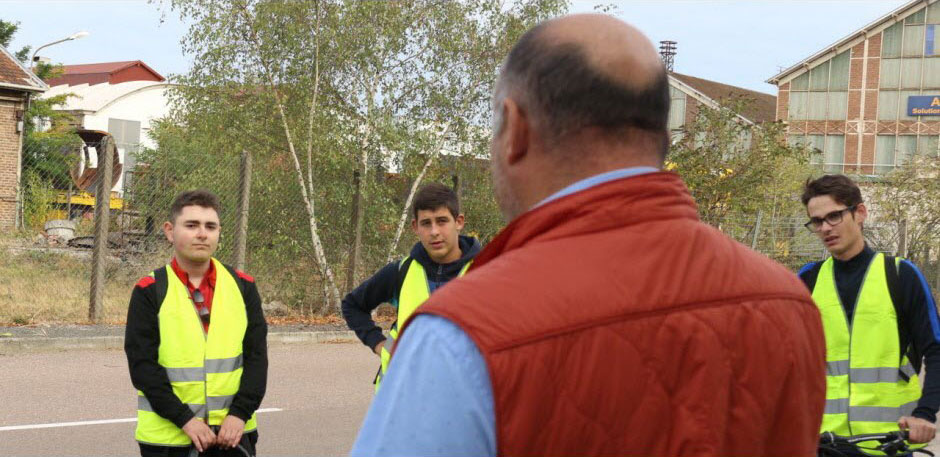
x=907 y=197
x=38 y=200
x=7 y=31
x=739 y=173
x=320 y=90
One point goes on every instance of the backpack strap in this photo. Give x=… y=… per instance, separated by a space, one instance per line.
x=893 y=279
x=161 y=282
x=809 y=273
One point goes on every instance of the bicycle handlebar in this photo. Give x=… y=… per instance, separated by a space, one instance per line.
x=832 y=438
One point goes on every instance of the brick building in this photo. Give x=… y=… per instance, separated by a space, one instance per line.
x=865 y=101
x=17 y=85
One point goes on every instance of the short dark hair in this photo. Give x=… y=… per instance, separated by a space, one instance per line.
x=198 y=197
x=567 y=94
x=840 y=187
x=433 y=196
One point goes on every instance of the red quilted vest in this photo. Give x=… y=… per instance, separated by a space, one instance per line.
x=614 y=322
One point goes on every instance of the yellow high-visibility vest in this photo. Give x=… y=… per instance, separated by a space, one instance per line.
x=869 y=382
x=204 y=369
x=414 y=292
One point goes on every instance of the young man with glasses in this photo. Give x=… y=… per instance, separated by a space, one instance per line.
x=879 y=318
x=196 y=343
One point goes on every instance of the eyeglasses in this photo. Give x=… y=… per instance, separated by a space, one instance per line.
x=833 y=218
x=199 y=300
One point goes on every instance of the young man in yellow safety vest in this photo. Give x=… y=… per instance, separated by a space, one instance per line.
x=440 y=255
x=880 y=322
x=196 y=343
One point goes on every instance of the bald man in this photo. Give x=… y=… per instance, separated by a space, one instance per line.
x=605 y=319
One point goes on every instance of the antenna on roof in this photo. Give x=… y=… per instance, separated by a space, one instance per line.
x=667 y=50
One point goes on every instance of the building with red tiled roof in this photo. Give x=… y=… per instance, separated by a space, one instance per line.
x=17 y=85
x=107 y=72
x=758 y=107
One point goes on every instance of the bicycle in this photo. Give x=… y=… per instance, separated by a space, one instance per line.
x=891 y=444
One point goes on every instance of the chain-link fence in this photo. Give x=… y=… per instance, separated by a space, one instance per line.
x=269 y=233
x=787 y=241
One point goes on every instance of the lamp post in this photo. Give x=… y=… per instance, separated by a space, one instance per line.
x=74 y=36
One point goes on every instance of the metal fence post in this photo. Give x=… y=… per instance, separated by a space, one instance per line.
x=106 y=150
x=241 y=222
x=760 y=214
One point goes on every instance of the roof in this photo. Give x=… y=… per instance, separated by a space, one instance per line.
x=13 y=75
x=851 y=39
x=94 y=98
x=101 y=72
x=762 y=107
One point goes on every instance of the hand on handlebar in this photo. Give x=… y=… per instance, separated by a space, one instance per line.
x=921 y=430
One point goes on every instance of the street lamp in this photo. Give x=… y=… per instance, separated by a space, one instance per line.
x=74 y=36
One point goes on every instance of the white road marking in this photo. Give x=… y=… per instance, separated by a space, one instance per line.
x=11 y=428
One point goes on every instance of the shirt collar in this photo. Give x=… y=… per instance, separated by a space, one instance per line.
x=208 y=279
x=595 y=180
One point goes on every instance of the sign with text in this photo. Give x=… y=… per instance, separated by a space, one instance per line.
x=923 y=105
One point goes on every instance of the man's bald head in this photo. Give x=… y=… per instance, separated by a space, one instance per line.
x=588 y=71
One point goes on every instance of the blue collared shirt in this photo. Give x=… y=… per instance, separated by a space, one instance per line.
x=437 y=398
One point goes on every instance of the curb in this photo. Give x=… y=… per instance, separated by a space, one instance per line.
x=20 y=345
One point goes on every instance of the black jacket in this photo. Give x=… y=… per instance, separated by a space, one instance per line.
x=918 y=322
x=382 y=288
x=142 y=340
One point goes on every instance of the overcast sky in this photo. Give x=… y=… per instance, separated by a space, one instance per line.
x=742 y=42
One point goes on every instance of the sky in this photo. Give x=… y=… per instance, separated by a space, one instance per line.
x=737 y=42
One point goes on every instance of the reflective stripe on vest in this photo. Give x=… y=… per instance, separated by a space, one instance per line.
x=866 y=390
x=414 y=291
x=204 y=369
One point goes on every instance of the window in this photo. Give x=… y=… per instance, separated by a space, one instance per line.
x=905 y=147
x=834 y=154
x=913 y=40
x=800 y=82
x=933 y=14
x=838 y=106
x=676 y=109
x=839 y=72
x=916 y=18
x=817 y=105
x=910 y=73
x=884 y=153
x=799 y=102
x=887 y=105
x=932 y=73
x=891 y=41
x=819 y=77
x=928 y=145
x=890 y=75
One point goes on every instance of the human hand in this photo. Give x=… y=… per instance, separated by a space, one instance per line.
x=378 y=348
x=921 y=430
x=202 y=436
x=230 y=434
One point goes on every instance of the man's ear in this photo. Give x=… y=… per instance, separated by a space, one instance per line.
x=517 y=134
x=861 y=213
x=414 y=225
x=168 y=231
x=459 y=222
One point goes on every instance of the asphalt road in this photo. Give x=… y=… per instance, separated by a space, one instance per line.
x=317 y=396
